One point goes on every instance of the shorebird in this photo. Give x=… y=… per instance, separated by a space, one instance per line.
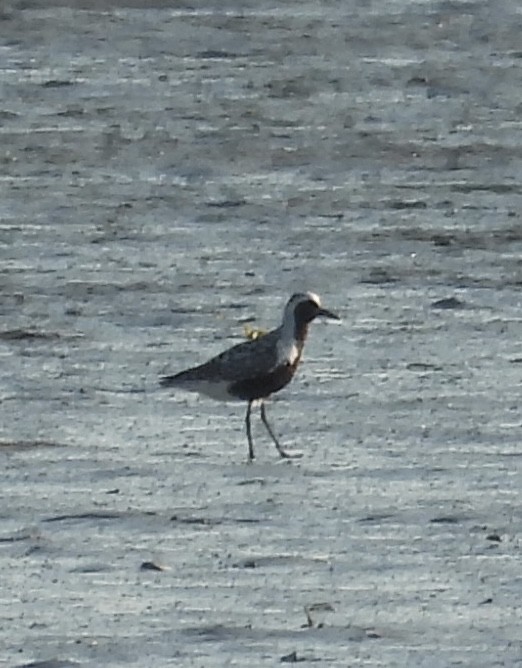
x=253 y=370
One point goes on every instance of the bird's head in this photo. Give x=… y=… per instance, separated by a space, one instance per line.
x=301 y=309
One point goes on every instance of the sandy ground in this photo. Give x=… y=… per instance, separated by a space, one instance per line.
x=171 y=171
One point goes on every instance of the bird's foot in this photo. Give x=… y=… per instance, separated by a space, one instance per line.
x=285 y=454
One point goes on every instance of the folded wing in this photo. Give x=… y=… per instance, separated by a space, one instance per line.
x=245 y=360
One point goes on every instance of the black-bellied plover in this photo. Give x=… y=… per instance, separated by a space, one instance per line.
x=253 y=370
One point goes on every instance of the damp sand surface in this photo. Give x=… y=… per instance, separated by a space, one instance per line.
x=171 y=172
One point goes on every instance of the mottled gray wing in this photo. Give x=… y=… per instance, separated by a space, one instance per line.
x=244 y=360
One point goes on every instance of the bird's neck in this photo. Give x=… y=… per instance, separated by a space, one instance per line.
x=294 y=329
x=291 y=342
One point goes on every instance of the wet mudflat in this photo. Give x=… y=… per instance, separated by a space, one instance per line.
x=172 y=171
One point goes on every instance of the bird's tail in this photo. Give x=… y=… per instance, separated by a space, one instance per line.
x=167 y=381
x=177 y=379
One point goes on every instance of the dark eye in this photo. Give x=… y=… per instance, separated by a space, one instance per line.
x=306 y=311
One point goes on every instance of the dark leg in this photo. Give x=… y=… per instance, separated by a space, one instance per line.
x=249 y=433
x=269 y=430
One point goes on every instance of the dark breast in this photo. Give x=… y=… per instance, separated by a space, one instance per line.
x=263 y=386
